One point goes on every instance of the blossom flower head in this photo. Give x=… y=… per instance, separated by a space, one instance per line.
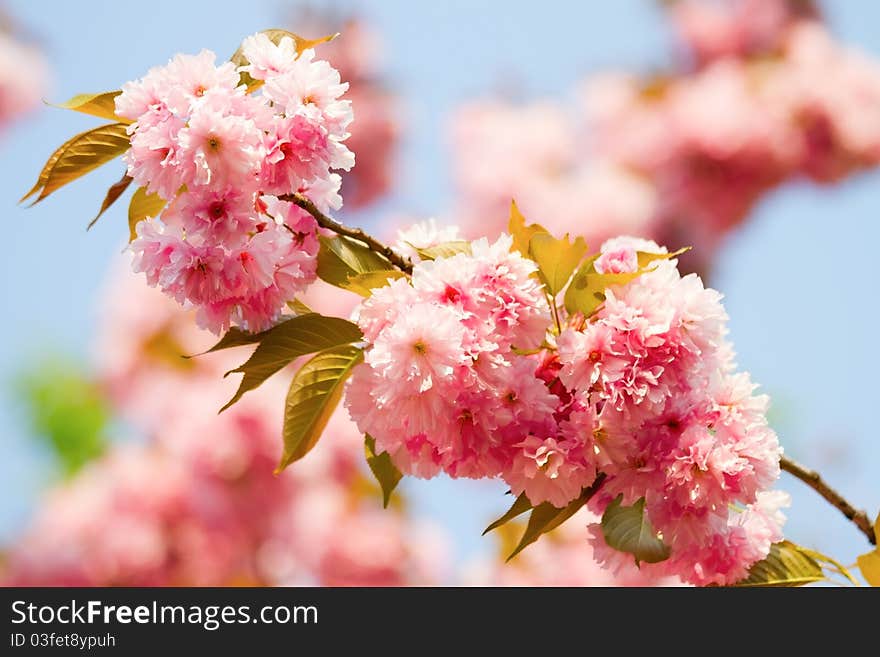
x=220 y=150
x=225 y=216
x=266 y=58
x=549 y=470
x=192 y=77
x=220 y=154
x=464 y=374
x=451 y=330
x=312 y=84
x=357 y=55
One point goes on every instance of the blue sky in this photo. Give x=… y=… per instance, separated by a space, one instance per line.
x=798 y=278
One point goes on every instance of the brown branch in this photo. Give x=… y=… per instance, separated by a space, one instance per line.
x=812 y=479
x=399 y=261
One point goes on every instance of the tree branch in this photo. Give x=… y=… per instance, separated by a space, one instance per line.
x=812 y=479
x=399 y=261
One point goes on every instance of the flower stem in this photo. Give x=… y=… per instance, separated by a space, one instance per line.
x=555 y=311
x=399 y=261
x=812 y=479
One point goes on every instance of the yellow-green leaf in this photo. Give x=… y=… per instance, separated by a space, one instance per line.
x=587 y=289
x=829 y=563
x=313 y=396
x=869 y=564
x=546 y=517
x=341 y=259
x=445 y=250
x=116 y=190
x=520 y=232
x=383 y=469
x=556 y=258
x=364 y=284
x=142 y=206
x=79 y=155
x=586 y=292
x=47 y=169
x=102 y=105
x=298 y=307
x=786 y=565
x=292 y=338
x=234 y=337
x=519 y=507
x=626 y=528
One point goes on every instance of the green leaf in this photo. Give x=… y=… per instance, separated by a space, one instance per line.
x=587 y=289
x=383 y=469
x=47 y=169
x=67 y=411
x=828 y=563
x=586 y=292
x=116 y=190
x=627 y=529
x=556 y=258
x=313 y=396
x=519 y=507
x=342 y=258
x=364 y=284
x=298 y=307
x=234 y=337
x=869 y=563
x=102 y=105
x=546 y=517
x=79 y=155
x=520 y=232
x=786 y=565
x=445 y=250
x=275 y=36
x=143 y=205
x=292 y=338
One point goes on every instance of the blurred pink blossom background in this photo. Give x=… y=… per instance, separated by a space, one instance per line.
x=682 y=156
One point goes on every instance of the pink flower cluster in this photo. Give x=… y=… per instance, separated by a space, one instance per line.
x=716 y=141
x=684 y=156
x=23 y=77
x=666 y=417
x=440 y=388
x=735 y=28
x=462 y=375
x=375 y=134
x=221 y=156
x=535 y=153
x=197 y=503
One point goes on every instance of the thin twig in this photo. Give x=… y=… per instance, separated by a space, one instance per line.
x=812 y=479
x=399 y=261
